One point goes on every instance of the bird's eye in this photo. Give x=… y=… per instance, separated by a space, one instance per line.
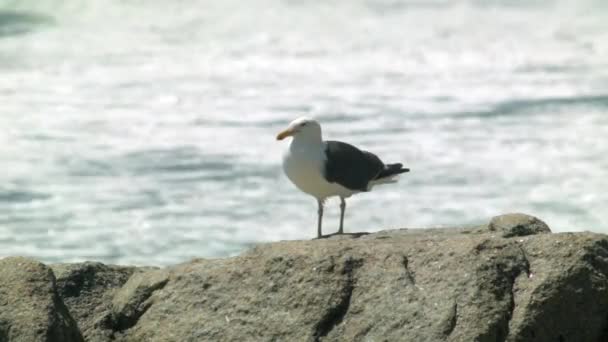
x=303 y=124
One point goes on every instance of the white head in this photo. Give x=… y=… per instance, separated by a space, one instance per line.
x=302 y=128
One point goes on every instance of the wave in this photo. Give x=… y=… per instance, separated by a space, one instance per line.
x=21 y=196
x=15 y=23
x=527 y=106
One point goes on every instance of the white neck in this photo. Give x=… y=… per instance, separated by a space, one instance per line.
x=309 y=139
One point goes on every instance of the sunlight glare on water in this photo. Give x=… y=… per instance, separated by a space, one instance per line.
x=142 y=132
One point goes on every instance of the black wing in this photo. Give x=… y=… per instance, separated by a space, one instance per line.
x=349 y=166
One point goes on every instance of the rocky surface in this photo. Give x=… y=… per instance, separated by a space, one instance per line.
x=508 y=281
x=518 y=225
x=30 y=307
x=88 y=290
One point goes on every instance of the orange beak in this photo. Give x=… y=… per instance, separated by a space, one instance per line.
x=286 y=133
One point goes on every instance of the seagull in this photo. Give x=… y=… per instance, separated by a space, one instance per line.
x=325 y=169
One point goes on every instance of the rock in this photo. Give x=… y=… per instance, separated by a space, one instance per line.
x=518 y=225
x=464 y=284
x=133 y=299
x=30 y=307
x=435 y=285
x=87 y=289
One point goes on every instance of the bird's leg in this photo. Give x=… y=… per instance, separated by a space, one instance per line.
x=342 y=209
x=320 y=218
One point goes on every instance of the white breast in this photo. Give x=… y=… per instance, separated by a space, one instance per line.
x=304 y=167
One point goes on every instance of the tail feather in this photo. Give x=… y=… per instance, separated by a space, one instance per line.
x=391 y=170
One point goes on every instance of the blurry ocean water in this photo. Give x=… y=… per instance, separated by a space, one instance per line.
x=143 y=131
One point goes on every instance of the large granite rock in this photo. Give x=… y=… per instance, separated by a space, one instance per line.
x=88 y=289
x=518 y=225
x=507 y=281
x=30 y=307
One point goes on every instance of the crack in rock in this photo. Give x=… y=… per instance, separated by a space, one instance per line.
x=511 y=308
x=505 y=268
x=336 y=313
x=451 y=321
x=408 y=273
x=527 y=267
x=512 y=281
x=134 y=299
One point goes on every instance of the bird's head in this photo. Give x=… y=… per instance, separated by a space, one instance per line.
x=302 y=127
